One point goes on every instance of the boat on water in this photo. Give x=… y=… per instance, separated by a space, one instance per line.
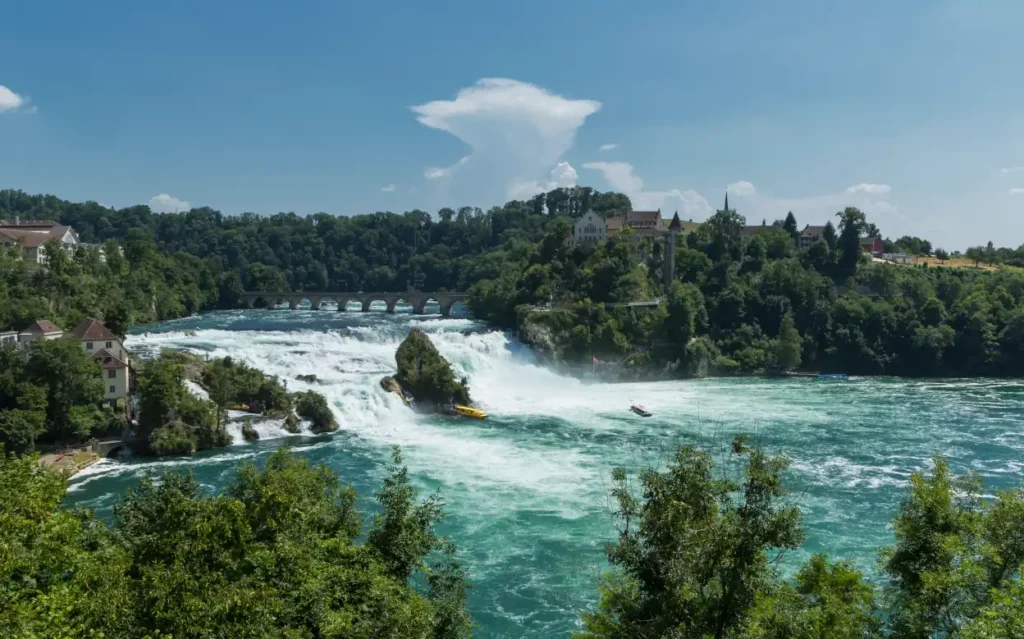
x=469 y=411
x=640 y=410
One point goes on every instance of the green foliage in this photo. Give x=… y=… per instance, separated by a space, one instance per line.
x=232 y=383
x=957 y=558
x=276 y=555
x=313 y=406
x=788 y=344
x=696 y=550
x=171 y=419
x=74 y=387
x=691 y=553
x=425 y=374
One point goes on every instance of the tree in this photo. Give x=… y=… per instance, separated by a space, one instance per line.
x=790 y=225
x=788 y=344
x=942 y=255
x=74 y=387
x=691 y=549
x=851 y=224
x=956 y=558
x=829 y=235
x=171 y=419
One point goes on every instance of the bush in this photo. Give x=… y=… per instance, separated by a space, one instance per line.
x=313 y=406
x=249 y=433
x=425 y=374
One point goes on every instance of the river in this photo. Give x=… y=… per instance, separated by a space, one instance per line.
x=527 y=489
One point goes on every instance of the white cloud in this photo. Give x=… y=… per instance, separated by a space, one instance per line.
x=620 y=177
x=1016 y=191
x=390 y=188
x=1004 y=171
x=165 y=203
x=11 y=101
x=874 y=189
x=609 y=147
x=742 y=188
x=517 y=131
x=562 y=176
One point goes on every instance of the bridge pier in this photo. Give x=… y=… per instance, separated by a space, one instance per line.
x=366 y=304
x=293 y=303
x=314 y=303
x=391 y=303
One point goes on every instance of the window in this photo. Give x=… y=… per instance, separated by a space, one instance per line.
x=111 y=373
x=88 y=346
x=111 y=389
x=109 y=344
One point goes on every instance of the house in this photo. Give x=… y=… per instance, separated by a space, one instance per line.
x=645 y=222
x=871 y=245
x=115 y=377
x=810 y=235
x=39 y=329
x=96 y=337
x=757 y=229
x=614 y=224
x=589 y=229
x=32 y=236
x=8 y=337
x=106 y=348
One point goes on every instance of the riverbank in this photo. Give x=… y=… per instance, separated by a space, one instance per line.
x=69 y=463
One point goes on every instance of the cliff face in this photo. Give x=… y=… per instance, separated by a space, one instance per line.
x=426 y=376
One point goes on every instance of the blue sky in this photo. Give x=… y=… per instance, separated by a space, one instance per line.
x=913 y=110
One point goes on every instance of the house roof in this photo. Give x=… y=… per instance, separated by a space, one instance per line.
x=649 y=217
x=91 y=328
x=31 y=238
x=614 y=223
x=27 y=223
x=812 y=230
x=108 y=359
x=42 y=326
x=675 y=224
x=868 y=240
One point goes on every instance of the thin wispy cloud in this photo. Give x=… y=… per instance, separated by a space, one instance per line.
x=390 y=188
x=11 y=101
x=517 y=131
x=1011 y=169
x=609 y=147
x=621 y=177
x=165 y=203
x=1017 y=191
x=872 y=189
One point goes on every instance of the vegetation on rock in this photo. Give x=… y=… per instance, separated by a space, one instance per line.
x=172 y=420
x=313 y=406
x=278 y=554
x=426 y=375
x=249 y=432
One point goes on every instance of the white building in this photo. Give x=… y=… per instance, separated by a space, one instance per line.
x=898 y=258
x=105 y=347
x=9 y=337
x=589 y=229
x=32 y=236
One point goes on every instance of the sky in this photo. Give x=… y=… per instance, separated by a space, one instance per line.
x=912 y=111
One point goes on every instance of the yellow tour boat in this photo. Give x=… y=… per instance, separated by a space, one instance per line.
x=469 y=411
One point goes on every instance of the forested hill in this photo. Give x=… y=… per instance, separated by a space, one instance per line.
x=375 y=252
x=744 y=300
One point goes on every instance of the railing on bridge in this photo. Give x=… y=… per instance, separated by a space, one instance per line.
x=418 y=301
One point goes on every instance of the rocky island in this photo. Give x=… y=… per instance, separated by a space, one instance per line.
x=425 y=379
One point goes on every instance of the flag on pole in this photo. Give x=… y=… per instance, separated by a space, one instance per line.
x=595 y=360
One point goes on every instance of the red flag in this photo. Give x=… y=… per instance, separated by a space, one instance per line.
x=595 y=360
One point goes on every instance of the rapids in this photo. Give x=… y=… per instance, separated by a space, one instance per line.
x=527 y=489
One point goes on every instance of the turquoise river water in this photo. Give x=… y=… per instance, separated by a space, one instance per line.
x=527 y=489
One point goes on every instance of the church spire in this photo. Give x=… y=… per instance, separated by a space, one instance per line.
x=727 y=200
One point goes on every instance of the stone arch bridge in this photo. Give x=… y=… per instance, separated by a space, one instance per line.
x=391 y=300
